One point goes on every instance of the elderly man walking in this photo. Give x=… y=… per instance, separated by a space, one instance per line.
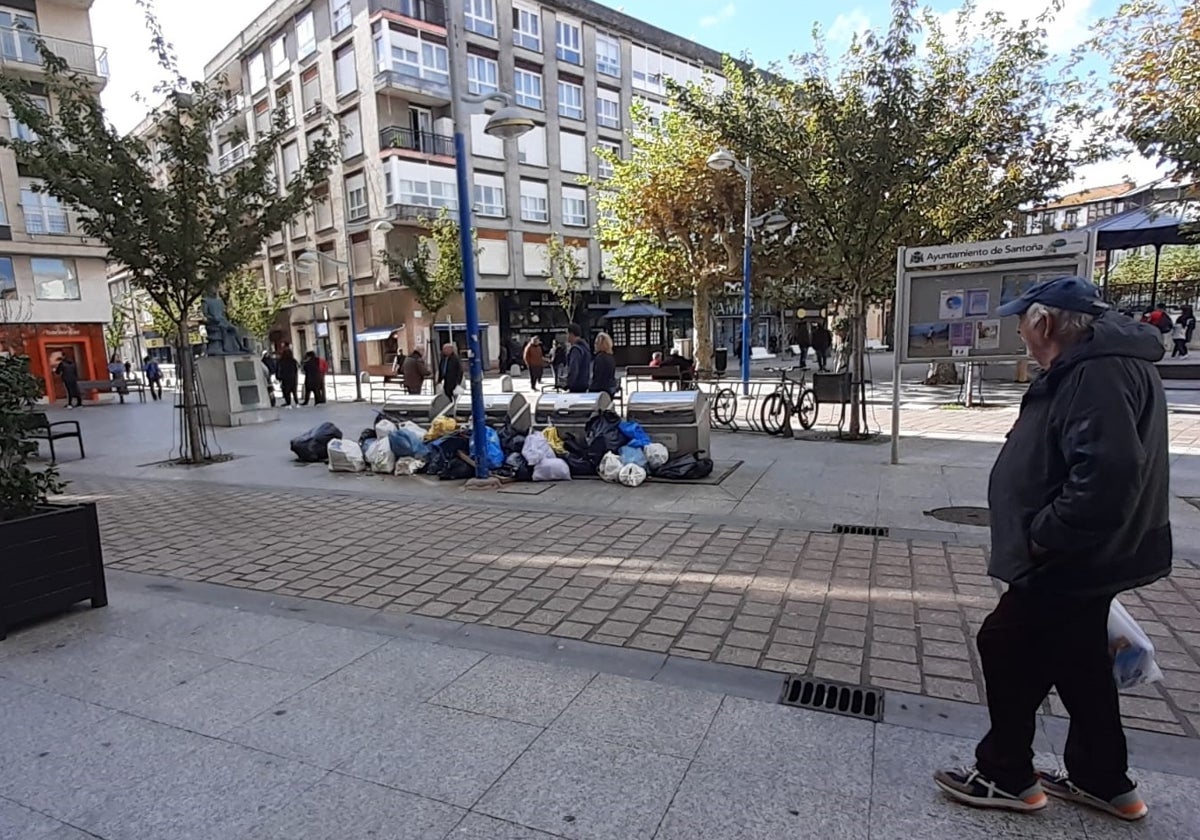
x=1079 y=507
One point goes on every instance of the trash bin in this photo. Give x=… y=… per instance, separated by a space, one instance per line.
x=569 y=412
x=721 y=359
x=677 y=419
x=419 y=408
x=497 y=409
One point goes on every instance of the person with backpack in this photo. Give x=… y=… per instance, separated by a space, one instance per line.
x=1160 y=320
x=153 y=377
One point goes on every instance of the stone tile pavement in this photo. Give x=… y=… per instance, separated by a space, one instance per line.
x=900 y=615
x=160 y=718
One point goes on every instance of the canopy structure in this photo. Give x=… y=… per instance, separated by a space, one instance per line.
x=637 y=310
x=1156 y=225
x=378 y=333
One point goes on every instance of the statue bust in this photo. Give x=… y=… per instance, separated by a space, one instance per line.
x=224 y=339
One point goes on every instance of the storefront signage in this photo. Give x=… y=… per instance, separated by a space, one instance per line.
x=1026 y=247
x=61 y=331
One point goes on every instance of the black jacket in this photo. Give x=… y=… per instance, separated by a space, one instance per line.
x=450 y=370
x=579 y=368
x=1084 y=472
x=604 y=374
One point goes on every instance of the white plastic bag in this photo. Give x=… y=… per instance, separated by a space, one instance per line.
x=1131 y=649
x=384 y=427
x=379 y=456
x=552 y=469
x=412 y=427
x=536 y=449
x=632 y=475
x=345 y=455
x=656 y=455
x=610 y=467
x=408 y=466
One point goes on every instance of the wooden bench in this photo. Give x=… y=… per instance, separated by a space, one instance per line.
x=121 y=387
x=38 y=428
x=635 y=374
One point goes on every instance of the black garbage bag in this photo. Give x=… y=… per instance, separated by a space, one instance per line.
x=365 y=437
x=573 y=444
x=606 y=426
x=457 y=470
x=520 y=467
x=510 y=439
x=313 y=445
x=687 y=467
x=579 y=465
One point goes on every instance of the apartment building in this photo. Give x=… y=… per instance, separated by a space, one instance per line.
x=53 y=292
x=381 y=72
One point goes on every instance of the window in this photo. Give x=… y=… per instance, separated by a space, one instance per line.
x=360 y=256
x=603 y=168
x=489 y=195
x=345 y=74
x=262 y=117
x=339 y=13
x=43 y=213
x=572 y=152
x=351 y=130
x=306 y=35
x=310 y=91
x=608 y=55
x=574 y=206
x=528 y=87
x=3 y=210
x=425 y=186
x=291 y=161
x=357 y=206
x=283 y=102
x=20 y=131
x=413 y=56
x=54 y=279
x=480 y=17
x=279 y=58
x=570 y=100
x=258 y=73
x=1072 y=219
x=608 y=108
x=531 y=147
x=569 y=41
x=8 y=279
x=482 y=75
x=527 y=26
x=482 y=143
x=647 y=69
x=322 y=210
x=534 y=207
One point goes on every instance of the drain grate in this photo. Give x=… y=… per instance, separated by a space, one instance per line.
x=862 y=530
x=858 y=701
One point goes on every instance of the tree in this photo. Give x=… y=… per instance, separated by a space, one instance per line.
x=1176 y=263
x=248 y=304
x=562 y=274
x=1155 y=50
x=913 y=137
x=114 y=332
x=180 y=227
x=672 y=226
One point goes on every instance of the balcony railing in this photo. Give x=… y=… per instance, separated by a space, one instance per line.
x=426 y=142
x=233 y=157
x=431 y=85
x=429 y=11
x=18 y=44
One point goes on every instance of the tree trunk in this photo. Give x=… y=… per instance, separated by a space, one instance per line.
x=701 y=310
x=858 y=348
x=942 y=373
x=191 y=411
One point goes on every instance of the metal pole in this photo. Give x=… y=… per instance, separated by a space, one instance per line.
x=1154 y=281
x=899 y=336
x=748 y=245
x=358 y=397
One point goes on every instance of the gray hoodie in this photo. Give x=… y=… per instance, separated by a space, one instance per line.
x=1084 y=473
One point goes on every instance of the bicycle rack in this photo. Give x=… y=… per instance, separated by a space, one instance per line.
x=748 y=411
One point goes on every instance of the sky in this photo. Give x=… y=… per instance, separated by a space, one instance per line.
x=759 y=28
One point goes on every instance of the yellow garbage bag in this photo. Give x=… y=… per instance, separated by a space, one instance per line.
x=554 y=440
x=440 y=427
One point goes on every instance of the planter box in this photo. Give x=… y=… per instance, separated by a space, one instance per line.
x=48 y=562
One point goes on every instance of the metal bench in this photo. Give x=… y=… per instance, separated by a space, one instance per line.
x=38 y=427
x=121 y=387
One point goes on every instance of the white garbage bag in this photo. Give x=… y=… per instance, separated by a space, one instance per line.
x=379 y=456
x=412 y=427
x=656 y=455
x=610 y=467
x=536 y=449
x=1131 y=649
x=384 y=427
x=632 y=475
x=408 y=466
x=552 y=469
x=345 y=455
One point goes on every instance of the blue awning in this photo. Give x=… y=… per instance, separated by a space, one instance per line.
x=378 y=333
x=1165 y=223
x=637 y=310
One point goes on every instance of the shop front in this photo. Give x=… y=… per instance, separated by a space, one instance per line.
x=47 y=345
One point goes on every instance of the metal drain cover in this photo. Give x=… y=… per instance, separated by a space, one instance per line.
x=858 y=701
x=978 y=516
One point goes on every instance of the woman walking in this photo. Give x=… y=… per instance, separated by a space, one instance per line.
x=604 y=367
x=288 y=373
x=535 y=361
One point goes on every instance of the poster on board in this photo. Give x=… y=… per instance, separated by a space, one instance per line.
x=979 y=303
x=987 y=334
x=951 y=305
x=928 y=341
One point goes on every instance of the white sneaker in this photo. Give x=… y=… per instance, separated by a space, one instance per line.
x=69 y=406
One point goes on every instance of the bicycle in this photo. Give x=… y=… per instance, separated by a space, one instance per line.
x=723 y=404
x=790 y=398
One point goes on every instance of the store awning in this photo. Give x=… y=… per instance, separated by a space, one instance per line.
x=637 y=310
x=378 y=333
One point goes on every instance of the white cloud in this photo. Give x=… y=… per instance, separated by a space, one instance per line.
x=1133 y=168
x=846 y=25
x=1067 y=29
x=723 y=14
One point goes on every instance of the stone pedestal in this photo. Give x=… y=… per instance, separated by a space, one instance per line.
x=235 y=388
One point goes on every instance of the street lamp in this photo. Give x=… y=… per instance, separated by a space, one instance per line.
x=720 y=161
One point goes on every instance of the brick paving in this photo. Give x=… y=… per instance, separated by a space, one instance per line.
x=896 y=614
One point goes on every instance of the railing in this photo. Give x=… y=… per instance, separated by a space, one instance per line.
x=20 y=44
x=429 y=11
x=402 y=211
x=233 y=105
x=431 y=83
x=233 y=157
x=426 y=142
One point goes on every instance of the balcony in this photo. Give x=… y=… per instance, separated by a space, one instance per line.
x=425 y=142
x=418 y=86
x=419 y=214
x=19 y=53
x=428 y=11
x=233 y=157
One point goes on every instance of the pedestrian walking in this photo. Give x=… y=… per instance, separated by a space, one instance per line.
x=803 y=341
x=579 y=361
x=822 y=342
x=288 y=371
x=1079 y=512
x=68 y=372
x=154 y=377
x=558 y=362
x=116 y=372
x=313 y=385
x=450 y=371
x=1188 y=316
x=414 y=372
x=535 y=361
x=1179 y=339
x=604 y=367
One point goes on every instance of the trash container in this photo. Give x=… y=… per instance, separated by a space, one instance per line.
x=677 y=419
x=497 y=409
x=721 y=359
x=419 y=408
x=569 y=412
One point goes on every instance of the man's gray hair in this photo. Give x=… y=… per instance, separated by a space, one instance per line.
x=1068 y=326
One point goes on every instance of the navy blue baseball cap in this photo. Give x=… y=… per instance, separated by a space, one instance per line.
x=1073 y=294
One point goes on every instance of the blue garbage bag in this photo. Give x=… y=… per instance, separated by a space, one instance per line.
x=631 y=454
x=406 y=443
x=495 y=455
x=636 y=434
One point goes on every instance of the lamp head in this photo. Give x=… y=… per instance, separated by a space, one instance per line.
x=308 y=258
x=382 y=226
x=720 y=160
x=776 y=222
x=508 y=123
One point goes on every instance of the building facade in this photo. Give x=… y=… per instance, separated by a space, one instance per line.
x=53 y=290
x=379 y=72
